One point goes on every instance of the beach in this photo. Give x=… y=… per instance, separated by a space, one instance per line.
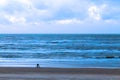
x=60 y=56
x=29 y=73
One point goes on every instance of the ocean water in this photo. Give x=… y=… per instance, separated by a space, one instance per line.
x=60 y=50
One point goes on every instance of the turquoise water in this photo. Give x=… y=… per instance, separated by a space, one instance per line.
x=60 y=50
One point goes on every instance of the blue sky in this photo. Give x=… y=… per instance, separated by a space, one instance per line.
x=60 y=16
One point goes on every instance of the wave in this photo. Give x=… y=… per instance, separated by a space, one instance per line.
x=60 y=54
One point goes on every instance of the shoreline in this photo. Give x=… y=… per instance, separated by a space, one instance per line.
x=108 y=71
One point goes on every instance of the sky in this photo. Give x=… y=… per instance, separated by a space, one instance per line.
x=60 y=16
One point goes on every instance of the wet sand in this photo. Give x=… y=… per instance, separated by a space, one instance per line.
x=18 y=73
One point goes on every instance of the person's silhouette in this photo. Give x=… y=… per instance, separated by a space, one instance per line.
x=38 y=66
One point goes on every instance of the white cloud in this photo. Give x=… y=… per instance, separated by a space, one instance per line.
x=68 y=21
x=24 y=1
x=14 y=19
x=111 y=21
x=3 y=2
x=59 y=12
x=94 y=12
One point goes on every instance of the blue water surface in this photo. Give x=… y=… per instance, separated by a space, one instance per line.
x=60 y=50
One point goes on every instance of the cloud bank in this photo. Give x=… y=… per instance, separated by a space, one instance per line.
x=59 y=16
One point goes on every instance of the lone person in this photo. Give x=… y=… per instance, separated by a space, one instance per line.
x=38 y=66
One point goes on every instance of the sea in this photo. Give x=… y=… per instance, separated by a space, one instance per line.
x=60 y=50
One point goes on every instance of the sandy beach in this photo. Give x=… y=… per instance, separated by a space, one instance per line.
x=20 y=73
